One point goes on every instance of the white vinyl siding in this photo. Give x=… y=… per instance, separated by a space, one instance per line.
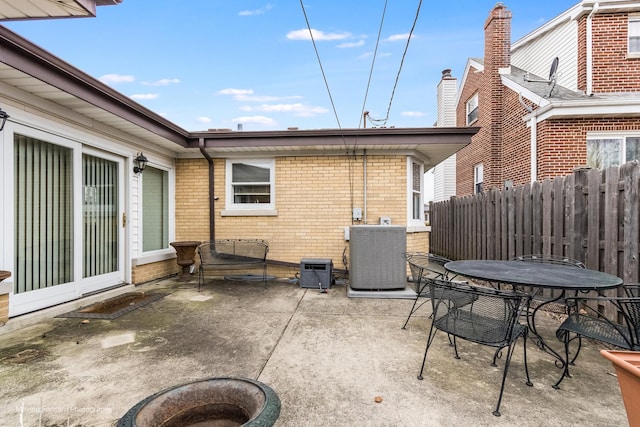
x=536 y=58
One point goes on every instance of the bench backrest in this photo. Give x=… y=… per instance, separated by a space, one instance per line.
x=241 y=248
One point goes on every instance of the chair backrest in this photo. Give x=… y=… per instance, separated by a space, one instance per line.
x=550 y=259
x=476 y=313
x=418 y=262
x=631 y=311
x=632 y=290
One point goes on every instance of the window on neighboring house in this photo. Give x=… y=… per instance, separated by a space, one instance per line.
x=155 y=209
x=603 y=152
x=634 y=35
x=250 y=184
x=478 y=178
x=472 y=109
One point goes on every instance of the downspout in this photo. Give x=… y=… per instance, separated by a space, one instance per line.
x=212 y=197
x=364 y=185
x=589 y=90
x=534 y=140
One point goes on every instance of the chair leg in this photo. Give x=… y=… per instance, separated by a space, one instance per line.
x=504 y=378
x=432 y=334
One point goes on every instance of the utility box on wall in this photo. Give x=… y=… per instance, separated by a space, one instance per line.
x=316 y=273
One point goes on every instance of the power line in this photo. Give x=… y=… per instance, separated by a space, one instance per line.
x=373 y=61
x=404 y=54
x=315 y=48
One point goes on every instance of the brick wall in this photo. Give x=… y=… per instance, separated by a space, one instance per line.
x=562 y=143
x=313 y=200
x=516 y=142
x=612 y=70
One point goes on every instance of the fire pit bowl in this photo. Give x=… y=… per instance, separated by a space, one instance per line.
x=222 y=402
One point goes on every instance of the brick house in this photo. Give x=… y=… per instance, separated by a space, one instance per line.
x=77 y=218
x=539 y=120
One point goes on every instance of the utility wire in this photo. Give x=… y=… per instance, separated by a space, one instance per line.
x=373 y=61
x=315 y=48
x=384 y=121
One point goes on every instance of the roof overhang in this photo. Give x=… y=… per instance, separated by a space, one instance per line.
x=432 y=145
x=14 y=10
x=611 y=107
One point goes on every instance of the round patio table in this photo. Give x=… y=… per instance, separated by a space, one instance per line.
x=539 y=276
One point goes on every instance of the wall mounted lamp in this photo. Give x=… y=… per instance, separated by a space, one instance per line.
x=3 y=118
x=141 y=163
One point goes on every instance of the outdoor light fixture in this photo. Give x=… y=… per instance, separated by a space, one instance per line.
x=141 y=162
x=3 y=118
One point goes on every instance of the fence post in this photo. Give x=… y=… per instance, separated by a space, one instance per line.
x=577 y=245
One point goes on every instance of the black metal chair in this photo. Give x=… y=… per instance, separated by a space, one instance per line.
x=585 y=321
x=486 y=316
x=423 y=265
x=538 y=299
x=550 y=259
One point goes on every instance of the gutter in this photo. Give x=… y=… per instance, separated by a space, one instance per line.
x=212 y=197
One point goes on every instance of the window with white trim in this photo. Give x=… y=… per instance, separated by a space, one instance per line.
x=155 y=209
x=472 y=109
x=478 y=178
x=250 y=184
x=634 y=35
x=415 y=192
x=605 y=151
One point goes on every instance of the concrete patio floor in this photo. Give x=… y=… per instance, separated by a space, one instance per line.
x=327 y=356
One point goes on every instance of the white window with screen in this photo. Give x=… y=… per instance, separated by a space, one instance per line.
x=415 y=193
x=634 y=36
x=478 y=178
x=155 y=209
x=604 y=151
x=250 y=187
x=472 y=109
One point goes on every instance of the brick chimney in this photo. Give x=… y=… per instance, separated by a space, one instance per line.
x=497 y=55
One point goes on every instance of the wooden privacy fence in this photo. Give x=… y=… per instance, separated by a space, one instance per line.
x=591 y=215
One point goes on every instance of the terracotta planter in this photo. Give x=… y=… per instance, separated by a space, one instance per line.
x=627 y=365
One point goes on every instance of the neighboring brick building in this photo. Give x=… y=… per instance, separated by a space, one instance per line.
x=535 y=125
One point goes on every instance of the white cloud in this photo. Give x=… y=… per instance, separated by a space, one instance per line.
x=317 y=35
x=232 y=91
x=398 y=37
x=261 y=120
x=116 y=78
x=139 y=96
x=162 y=82
x=297 y=109
x=260 y=11
x=413 y=114
x=203 y=119
x=351 y=44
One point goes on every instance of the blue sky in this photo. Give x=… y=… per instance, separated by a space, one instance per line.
x=206 y=64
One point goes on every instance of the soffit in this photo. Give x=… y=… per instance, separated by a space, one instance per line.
x=47 y=9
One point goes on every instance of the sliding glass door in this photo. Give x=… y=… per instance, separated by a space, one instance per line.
x=68 y=211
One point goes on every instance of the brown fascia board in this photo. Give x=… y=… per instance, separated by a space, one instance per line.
x=25 y=56
x=334 y=137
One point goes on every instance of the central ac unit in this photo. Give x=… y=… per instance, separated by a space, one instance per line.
x=375 y=257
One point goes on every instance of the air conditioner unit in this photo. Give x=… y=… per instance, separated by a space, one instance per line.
x=375 y=257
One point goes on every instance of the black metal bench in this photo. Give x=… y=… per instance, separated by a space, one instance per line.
x=232 y=254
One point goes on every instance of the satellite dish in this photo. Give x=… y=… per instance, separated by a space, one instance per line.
x=552 y=76
x=554 y=69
